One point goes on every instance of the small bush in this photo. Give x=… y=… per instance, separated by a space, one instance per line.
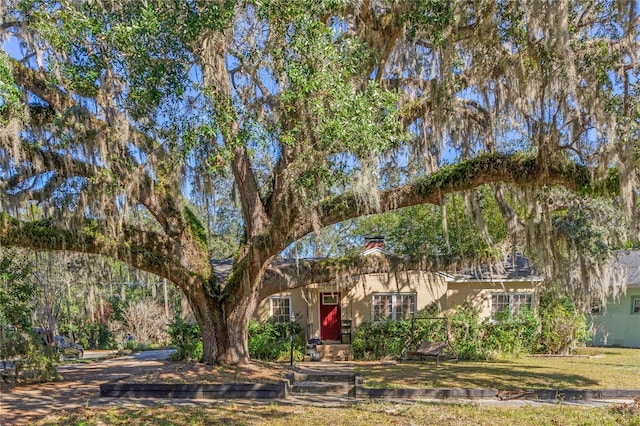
x=389 y=339
x=381 y=339
x=137 y=346
x=510 y=337
x=467 y=333
x=186 y=339
x=269 y=341
x=13 y=342
x=563 y=328
x=37 y=363
x=557 y=328
x=630 y=412
x=93 y=335
x=473 y=339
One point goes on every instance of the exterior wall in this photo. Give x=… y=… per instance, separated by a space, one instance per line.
x=617 y=325
x=479 y=293
x=430 y=290
x=433 y=294
x=298 y=305
x=356 y=296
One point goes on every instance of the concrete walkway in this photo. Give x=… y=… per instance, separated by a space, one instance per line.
x=80 y=386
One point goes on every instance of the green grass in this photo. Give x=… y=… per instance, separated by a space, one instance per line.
x=597 y=368
x=370 y=413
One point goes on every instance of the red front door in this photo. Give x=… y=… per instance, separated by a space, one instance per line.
x=330 y=316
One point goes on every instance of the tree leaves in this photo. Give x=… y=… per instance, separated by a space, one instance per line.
x=16 y=291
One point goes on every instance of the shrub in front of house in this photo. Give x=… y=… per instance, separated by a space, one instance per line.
x=269 y=341
x=563 y=327
x=509 y=336
x=473 y=338
x=556 y=328
x=380 y=339
x=467 y=333
x=389 y=338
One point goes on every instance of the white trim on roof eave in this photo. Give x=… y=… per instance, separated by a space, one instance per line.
x=447 y=277
x=497 y=280
x=375 y=250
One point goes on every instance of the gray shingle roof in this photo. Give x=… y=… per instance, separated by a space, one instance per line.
x=521 y=269
x=630 y=260
x=511 y=268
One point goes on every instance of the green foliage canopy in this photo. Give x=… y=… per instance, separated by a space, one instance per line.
x=304 y=114
x=17 y=292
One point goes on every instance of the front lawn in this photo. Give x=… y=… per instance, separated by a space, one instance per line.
x=369 y=413
x=593 y=368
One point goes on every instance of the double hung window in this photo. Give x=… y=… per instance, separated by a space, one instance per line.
x=280 y=309
x=510 y=304
x=392 y=306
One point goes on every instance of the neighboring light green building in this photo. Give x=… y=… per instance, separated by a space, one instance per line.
x=619 y=323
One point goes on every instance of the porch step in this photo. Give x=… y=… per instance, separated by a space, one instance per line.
x=335 y=352
x=323 y=388
x=323 y=379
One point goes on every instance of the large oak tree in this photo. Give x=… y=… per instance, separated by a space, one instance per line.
x=309 y=113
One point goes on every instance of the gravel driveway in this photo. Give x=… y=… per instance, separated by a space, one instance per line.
x=80 y=384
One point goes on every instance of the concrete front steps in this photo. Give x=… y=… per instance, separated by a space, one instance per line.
x=323 y=379
x=331 y=352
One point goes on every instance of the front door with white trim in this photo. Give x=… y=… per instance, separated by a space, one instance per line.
x=330 y=316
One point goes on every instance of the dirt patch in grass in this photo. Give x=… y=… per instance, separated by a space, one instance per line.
x=195 y=373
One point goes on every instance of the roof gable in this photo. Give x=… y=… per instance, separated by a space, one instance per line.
x=376 y=250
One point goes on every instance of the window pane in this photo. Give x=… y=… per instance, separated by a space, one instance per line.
x=330 y=299
x=520 y=301
x=405 y=306
x=636 y=306
x=382 y=307
x=281 y=309
x=499 y=303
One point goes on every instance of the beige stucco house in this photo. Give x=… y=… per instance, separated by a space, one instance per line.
x=332 y=310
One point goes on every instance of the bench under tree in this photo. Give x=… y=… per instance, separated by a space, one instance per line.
x=438 y=350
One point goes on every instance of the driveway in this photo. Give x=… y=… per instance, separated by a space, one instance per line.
x=80 y=383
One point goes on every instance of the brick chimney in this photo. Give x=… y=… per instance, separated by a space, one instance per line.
x=373 y=242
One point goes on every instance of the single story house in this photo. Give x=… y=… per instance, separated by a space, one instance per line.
x=331 y=310
x=618 y=323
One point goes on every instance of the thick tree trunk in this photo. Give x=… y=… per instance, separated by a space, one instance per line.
x=224 y=328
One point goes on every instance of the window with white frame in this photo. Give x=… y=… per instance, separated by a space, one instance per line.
x=510 y=303
x=392 y=306
x=280 y=309
x=635 y=307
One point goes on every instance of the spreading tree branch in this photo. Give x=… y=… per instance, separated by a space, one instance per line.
x=488 y=168
x=148 y=251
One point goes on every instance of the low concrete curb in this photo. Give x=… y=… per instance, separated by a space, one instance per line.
x=195 y=391
x=433 y=393
x=532 y=394
x=282 y=390
x=579 y=394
